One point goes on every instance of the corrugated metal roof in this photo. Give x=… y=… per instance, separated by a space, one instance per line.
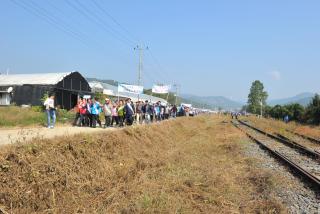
x=32 y=79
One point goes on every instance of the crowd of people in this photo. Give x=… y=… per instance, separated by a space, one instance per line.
x=121 y=113
x=117 y=113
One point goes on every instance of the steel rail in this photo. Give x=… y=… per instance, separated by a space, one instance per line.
x=313 y=140
x=294 y=142
x=298 y=147
x=293 y=166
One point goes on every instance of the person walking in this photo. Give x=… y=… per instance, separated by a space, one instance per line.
x=162 y=112
x=83 y=112
x=107 y=113
x=88 y=113
x=77 y=111
x=50 y=111
x=174 y=111
x=139 y=112
x=95 y=111
x=147 y=112
x=157 y=112
x=121 y=113
x=129 y=112
x=167 y=112
x=99 y=108
x=114 y=112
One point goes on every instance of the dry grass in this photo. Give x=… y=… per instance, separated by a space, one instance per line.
x=13 y=116
x=183 y=166
x=277 y=126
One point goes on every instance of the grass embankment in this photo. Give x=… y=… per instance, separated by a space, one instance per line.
x=278 y=126
x=188 y=165
x=11 y=116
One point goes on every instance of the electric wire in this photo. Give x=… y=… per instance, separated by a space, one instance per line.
x=103 y=10
x=51 y=21
x=66 y=28
x=81 y=9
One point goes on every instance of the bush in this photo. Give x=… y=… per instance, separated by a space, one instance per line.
x=295 y=112
x=17 y=116
x=37 y=108
x=65 y=116
x=312 y=114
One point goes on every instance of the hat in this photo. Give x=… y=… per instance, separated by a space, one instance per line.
x=107 y=99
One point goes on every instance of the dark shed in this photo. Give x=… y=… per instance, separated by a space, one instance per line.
x=28 y=89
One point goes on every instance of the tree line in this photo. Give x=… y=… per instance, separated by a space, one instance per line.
x=257 y=104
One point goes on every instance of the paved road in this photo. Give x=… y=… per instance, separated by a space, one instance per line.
x=9 y=136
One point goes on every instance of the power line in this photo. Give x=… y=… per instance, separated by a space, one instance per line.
x=85 y=11
x=57 y=23
x=156 y=61
x=154 y=71
x=159 y=74
x=107 y=26
x=80 y=8
x=53 y=20
x=34 y=10
x=103 y=10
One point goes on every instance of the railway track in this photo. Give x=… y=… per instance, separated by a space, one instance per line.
x=303 y=164
x=302 y=149
x=295 y=139
x=311 y=139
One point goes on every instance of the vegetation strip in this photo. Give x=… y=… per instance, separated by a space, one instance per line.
x=187 y=165
x=301 y=149
x=298 y=169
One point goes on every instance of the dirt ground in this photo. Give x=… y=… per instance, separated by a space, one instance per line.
x=16 y=135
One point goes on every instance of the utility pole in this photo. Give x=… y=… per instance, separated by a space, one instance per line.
x=261 y=103
x=177 y=92
x=141 y=49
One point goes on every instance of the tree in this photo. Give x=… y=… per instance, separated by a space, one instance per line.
x=295 y=111
x=277 y=112
x=256 y=96
x=312 y=114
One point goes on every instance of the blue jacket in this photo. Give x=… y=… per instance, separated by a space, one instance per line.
x=95 y=108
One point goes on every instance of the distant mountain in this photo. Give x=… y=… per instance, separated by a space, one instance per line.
x=303 y=99
x=214 y=101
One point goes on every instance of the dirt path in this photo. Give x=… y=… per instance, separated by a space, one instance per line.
x=9 y=136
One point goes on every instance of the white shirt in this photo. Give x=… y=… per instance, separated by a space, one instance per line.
x=49 y=103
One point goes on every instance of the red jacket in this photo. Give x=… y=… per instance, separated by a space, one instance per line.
x=83 y=108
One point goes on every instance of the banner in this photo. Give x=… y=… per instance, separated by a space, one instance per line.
x=186 y=105
x=161 y=89
x=134 y=89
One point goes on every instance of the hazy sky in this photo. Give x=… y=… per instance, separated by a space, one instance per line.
x=208 y=47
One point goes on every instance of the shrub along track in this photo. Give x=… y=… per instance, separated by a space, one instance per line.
x=302 y=160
